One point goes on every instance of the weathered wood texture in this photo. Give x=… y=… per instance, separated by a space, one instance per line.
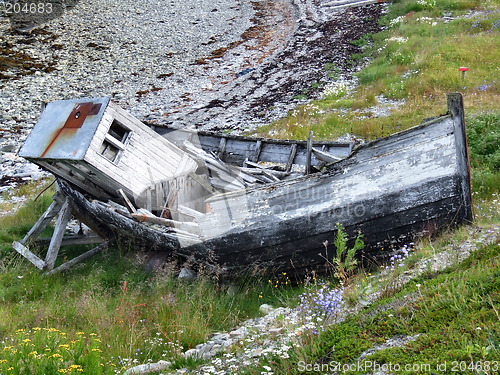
x=66 y=266
x=106 y=151
x=391 y=189
x=237 y=149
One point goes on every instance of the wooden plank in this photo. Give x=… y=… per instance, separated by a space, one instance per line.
x=188 y=226
x=265 y=171
x=291 y=157
x=80 y=258
x=25 y=252
x=55 y=243
x=203 y=183
x=74 y=240
x=258 y=148
x=325 y=156
x=309 y=151
x=189 y=211
x=128 y=205
x=42 y=222
x=222 y=147
x=149 y=200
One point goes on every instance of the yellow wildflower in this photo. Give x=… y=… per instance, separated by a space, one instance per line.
x=26 y=340
x=3 y=361
x=80 y=333
x=97 y=350
x=93 y=334
x=64 y=346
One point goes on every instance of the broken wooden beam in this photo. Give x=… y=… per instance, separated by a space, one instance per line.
x=187 y=226
x=25 y=252
x=80 y=258
x=291 y=157
x=43 y=221
x=128 y=204
x=325 y=156
x=309 y=153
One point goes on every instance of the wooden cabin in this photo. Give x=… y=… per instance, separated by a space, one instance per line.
x=100 y=148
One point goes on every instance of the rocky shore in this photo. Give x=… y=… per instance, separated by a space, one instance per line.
x=229 y=64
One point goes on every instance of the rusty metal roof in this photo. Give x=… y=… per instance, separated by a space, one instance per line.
x=65 y=129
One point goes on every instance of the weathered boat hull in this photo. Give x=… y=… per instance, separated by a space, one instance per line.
x=392 y=189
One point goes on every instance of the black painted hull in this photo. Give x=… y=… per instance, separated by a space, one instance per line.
x=391 y=190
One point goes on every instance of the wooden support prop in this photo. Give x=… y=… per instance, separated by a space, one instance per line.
x=42 y=222
x=55 y=242
x=62 y=207
x=166 y=213
x=309 y=152
x=25 y=252
x=169 y=203
x=74 y=240
x=80 y=258
x=291 y=157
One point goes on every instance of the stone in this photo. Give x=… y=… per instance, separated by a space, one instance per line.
x=191 y=353
x=187 y=274
x=265 y=309
x=148 y=368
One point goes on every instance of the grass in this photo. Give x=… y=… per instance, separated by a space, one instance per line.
x=414 y=60
x=449 y=317
x=136 y=315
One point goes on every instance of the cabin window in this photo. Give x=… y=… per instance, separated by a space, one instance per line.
x=109 y=151
x=118 y=131
x=114 y=141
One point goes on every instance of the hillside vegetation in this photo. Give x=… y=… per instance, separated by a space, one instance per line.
x=108 y=314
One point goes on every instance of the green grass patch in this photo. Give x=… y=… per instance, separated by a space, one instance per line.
x=451 y=317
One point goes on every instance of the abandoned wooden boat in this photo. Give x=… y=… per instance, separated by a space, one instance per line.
x=269 y=214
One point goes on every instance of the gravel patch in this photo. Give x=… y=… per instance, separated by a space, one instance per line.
x=227 y=64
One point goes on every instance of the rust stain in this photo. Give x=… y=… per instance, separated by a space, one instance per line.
x=75 y=120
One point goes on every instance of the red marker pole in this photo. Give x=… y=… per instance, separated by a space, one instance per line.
x=463 y=69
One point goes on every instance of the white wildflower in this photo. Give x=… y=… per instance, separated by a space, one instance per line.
x=335 y=89
x=398 y=39
x=396 y=21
